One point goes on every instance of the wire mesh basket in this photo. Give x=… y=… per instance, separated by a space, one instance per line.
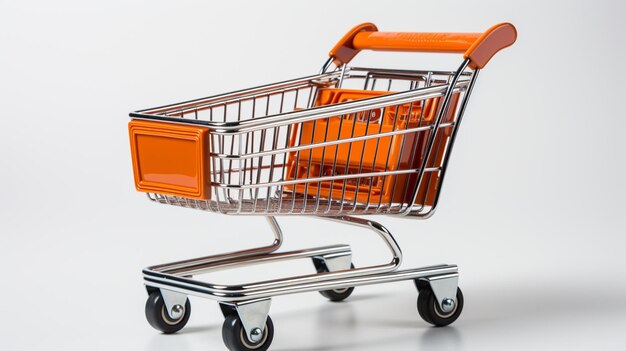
x=345 y=142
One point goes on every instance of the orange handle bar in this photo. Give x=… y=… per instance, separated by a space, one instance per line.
x=479 y=48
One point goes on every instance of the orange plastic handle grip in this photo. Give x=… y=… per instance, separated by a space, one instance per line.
x=479 y=48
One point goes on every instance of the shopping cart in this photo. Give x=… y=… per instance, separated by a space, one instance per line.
x=344 y=142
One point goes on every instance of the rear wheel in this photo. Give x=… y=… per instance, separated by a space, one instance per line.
x=334 y=295
x=159 y=319
x=430 y=311
x=235 y=338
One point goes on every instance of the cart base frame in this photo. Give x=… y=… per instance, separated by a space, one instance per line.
x=251 y=302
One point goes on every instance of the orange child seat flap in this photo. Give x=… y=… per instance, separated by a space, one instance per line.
x=170 y=158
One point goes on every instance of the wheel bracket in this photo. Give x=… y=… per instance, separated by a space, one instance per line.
x=173 y=301
x=444 y=287
x=340 y=261
x=252 y=313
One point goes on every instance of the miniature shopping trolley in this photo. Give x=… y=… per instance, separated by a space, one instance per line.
x=337 y=145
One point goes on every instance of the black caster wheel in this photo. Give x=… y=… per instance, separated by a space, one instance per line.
x=430 y=311
x=158 y=317
x=235 y=338
x=334 y=295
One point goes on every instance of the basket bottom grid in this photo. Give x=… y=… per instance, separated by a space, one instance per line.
x=287 y=204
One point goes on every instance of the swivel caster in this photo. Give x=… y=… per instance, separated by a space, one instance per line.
x=429 y=309
x=160 y=319
x=235 y=338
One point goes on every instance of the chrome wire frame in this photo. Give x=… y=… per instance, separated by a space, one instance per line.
x=257 y=141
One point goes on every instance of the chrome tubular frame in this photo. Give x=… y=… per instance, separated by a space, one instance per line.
x=176 y=277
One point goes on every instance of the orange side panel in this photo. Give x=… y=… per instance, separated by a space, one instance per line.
x=170 y=158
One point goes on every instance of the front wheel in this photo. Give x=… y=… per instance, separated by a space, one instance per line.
x=160 y=320
x=430 y=311
x=235 y=338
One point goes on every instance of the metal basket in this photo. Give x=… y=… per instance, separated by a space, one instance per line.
x=250 y=134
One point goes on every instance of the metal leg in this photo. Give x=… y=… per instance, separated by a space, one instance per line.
x=338 y=254
x=188 y=267
x=387 y=237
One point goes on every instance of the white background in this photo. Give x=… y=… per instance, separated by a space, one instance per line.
x=532 y=209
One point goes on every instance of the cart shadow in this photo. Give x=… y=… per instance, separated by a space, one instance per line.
x=340 y=325
x=199 y=329
x=444 y=339
x=329 y=310
x=448 y=338
x=485 y=315
x=167 y=342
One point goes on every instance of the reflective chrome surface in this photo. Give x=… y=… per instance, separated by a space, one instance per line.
x=447 y=305
x=174 y=277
